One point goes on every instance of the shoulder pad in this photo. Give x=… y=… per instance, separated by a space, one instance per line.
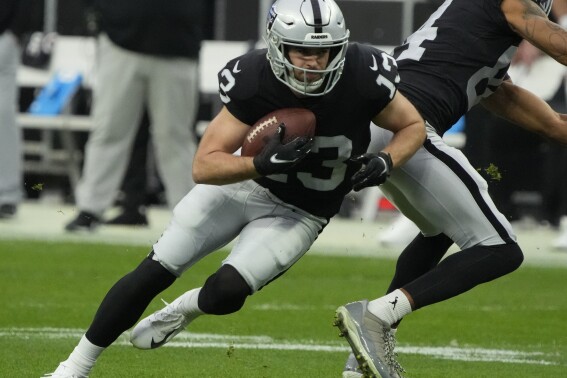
x=376 y=71
x=239 y=79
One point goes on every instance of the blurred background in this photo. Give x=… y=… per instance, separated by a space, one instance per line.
x=61 y=38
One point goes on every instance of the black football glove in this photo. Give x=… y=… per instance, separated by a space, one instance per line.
x=375 y=171
x=277 y=157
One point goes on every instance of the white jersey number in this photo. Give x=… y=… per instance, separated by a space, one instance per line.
x=225 y=87
x=337 y=165
x=426 y=33
x=387 y=62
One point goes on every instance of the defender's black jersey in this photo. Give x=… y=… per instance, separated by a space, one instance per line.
x=460 y=55
x=249 y=90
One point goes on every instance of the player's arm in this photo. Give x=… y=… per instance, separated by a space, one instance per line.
x=214 y=162
x=400 y=117
x=403 y=119
x=527 y=110
x=528 y=20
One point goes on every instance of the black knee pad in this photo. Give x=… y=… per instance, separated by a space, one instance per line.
x=224 y=292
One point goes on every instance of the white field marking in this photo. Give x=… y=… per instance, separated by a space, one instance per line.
x=262 y=342
x=477 y=354
x=289 y=307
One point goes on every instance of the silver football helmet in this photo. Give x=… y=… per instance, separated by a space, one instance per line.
x=310 y=24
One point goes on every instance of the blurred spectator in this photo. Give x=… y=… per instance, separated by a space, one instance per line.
x=489 y=144
x=554 y=167
x=13 y=23
x=135 y=191
x=502 y=153
x=148 y=56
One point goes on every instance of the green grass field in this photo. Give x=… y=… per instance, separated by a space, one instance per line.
x=513 y=327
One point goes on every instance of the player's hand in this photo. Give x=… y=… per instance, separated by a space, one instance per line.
x=277 y=157
x=375 y=171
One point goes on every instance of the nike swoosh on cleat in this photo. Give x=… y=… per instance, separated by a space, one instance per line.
x=275 y=160
x=154 y=345
x=374 y=66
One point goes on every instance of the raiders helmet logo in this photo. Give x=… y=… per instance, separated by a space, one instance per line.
x=271 y=17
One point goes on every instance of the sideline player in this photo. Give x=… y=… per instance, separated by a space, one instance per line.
x=277 y=208
x=458 y=58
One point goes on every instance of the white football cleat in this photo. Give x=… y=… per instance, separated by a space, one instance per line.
x=63 y=371
x=160 y=327
x=396 y=369
x=351 y=369
x=371 y=340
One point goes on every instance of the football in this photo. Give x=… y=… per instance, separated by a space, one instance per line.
x=298 y=122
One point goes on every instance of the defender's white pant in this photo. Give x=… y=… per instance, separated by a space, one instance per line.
x=273 y=235
x=126 y=82
x=11 y=190
x=441 y=192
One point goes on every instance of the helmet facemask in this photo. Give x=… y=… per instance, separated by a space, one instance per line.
x=304 y=24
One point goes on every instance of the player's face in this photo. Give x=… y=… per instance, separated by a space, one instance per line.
x=308 y=58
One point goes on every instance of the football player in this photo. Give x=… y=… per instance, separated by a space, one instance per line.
x=278 y=201
x=458 y=58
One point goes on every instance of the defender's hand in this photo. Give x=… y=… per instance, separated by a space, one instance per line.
x=375 y=171
x=277 y=157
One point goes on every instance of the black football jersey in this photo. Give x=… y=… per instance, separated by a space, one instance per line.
x=318 y=184
x=460 y=55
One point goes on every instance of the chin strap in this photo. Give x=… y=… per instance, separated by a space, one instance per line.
x=305 y=87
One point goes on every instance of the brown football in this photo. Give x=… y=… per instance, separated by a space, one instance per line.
x=298 y=122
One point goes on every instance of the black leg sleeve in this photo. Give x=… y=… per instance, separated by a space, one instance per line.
x=418 y=258
x=126 y=301
x=464 y=270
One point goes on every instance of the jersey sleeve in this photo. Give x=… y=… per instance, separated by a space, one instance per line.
x=377 y=74
x=238 y=83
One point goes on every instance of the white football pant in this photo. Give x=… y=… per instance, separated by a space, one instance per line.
x=273 y=235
